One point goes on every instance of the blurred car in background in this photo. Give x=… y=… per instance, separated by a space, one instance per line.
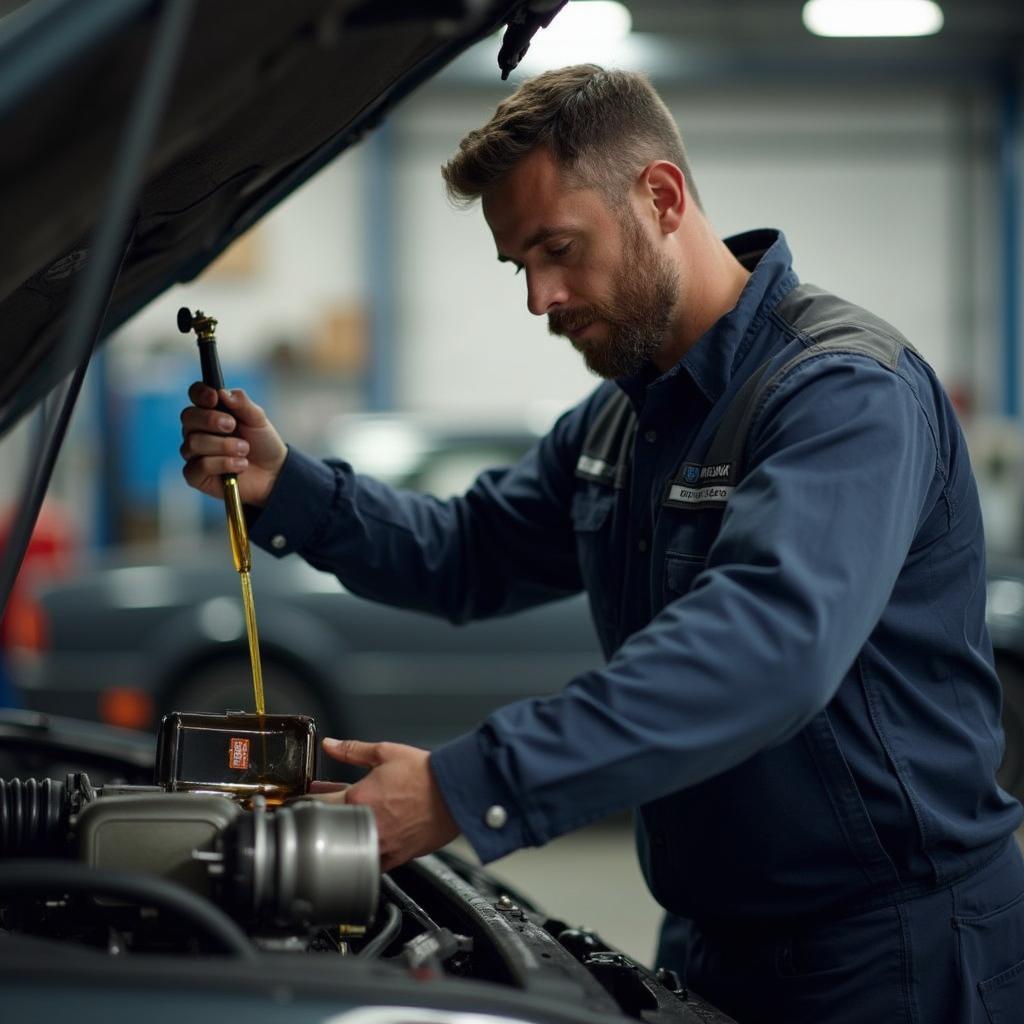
x=139 y=634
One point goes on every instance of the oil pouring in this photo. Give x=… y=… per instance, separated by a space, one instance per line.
x=205 y=327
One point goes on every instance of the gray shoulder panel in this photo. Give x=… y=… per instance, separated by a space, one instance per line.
x=824 y=323
x=830 y=322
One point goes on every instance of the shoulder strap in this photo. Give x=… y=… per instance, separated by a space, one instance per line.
x=823 y=323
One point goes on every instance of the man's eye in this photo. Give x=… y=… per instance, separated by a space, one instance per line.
x=562 y=250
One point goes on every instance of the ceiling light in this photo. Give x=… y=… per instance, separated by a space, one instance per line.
x=584 y=30
x=872 y=17
x=595 y=21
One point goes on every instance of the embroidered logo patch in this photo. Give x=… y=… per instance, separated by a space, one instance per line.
x=238 y=753
x=697 y=486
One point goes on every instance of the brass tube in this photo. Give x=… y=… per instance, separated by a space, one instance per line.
x=237 y=531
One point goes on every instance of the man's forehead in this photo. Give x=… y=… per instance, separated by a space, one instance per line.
x=532 y=202
x=533 y=184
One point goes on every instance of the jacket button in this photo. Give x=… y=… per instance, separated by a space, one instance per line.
x=651 y=436
x=496 y=816
x=278 y=541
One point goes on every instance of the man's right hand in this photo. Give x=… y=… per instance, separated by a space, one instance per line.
x=241 y=440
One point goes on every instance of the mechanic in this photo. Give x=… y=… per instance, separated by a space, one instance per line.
x=770 y=505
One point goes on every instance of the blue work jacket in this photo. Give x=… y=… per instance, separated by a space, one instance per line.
x=799 y=694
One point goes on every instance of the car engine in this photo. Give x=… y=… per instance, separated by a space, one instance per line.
x=225 y=847
x=283 y=875
x=203 y=869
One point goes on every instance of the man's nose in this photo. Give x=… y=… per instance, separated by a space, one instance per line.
x=545 y=292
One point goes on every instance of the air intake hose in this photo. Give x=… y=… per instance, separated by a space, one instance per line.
x=33 y=817
x=306 y=865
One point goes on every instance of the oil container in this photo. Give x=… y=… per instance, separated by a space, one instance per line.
x=237 y=753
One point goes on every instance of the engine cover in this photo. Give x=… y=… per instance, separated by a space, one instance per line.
x=158 y=833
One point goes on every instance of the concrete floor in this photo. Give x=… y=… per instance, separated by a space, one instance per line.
x=591 y=878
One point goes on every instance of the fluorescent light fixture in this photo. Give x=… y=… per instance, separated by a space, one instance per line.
x=594 y=21
x=584 y=30
x=872 y=17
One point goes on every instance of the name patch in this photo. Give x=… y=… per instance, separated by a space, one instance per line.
x=698 y=486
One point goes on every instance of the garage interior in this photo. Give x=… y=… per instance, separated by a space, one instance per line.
x=895 y=167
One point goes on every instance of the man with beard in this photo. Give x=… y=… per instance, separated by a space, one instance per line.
x=770 y=506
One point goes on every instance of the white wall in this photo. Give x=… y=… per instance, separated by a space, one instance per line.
x=862 y=186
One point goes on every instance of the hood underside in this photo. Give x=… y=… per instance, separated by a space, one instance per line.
x=265 y=94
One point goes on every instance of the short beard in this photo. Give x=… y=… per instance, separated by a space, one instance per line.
x=638 y=315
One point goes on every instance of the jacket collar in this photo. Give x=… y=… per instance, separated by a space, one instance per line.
x=715 y=356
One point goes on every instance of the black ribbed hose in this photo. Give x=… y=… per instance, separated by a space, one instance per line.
x=33 y=817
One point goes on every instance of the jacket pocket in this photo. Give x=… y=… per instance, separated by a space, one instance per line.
x=1003 y=995
x=992 y=959
x=680 y=572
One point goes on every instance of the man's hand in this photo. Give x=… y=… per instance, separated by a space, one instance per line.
x=412 y=817
x=241 y=440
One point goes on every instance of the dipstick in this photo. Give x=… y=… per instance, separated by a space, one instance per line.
x=204 y=326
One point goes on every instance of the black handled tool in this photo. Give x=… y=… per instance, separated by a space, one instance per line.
x=204 y=326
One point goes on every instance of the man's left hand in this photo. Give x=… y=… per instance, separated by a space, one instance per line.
x=412 y=817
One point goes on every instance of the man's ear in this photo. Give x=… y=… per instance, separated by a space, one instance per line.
x=664 y=187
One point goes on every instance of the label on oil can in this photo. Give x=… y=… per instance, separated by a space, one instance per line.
x=238 y=756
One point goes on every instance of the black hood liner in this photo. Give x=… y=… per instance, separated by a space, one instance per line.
x=268 y=92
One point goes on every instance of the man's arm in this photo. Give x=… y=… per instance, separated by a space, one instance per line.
x=842 y=466
x=506 y=544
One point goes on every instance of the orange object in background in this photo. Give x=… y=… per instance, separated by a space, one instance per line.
x=127 y=707
x=50 y=555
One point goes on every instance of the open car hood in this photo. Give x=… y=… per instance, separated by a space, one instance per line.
x=264 y=93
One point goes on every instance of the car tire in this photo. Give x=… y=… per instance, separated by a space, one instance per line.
x=1011 y=771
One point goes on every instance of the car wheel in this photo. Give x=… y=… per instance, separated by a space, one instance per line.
x=1011 y=771
x=226 y=685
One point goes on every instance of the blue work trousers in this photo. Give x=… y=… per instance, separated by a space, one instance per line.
x=953 y=956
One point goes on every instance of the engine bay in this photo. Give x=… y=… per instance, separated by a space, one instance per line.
x=128 y=873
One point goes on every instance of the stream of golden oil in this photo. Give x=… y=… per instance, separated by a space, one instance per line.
x=254 y=642
x=243 y=563
x=257 y=670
